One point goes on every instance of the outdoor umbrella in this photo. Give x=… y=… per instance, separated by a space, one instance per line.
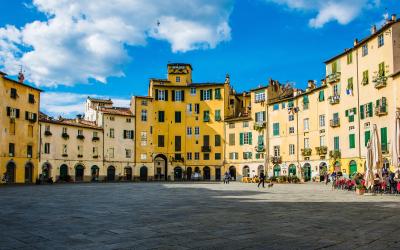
x=396 y=144
x=369 y=175
x=376 y=152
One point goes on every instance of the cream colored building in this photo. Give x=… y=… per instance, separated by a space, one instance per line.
x=71 y=150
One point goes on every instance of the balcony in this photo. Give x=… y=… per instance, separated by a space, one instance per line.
x=80 y=137
x=323 y=150
x=335 y=123
x=47 y=133
x=276 y=159
x=334 y=99
x=206 y=149
x=381 y=110
x=335 y=154
x=260 y=148
x=365 y=81
x=334 y=77
x=258 y=126
x=65 y=136
x=306 y=151
x=259 y=100
x=96 y=138
x=380 y=81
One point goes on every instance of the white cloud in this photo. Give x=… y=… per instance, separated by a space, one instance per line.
x=86 y=39
x=70 y=104
x=342 y=11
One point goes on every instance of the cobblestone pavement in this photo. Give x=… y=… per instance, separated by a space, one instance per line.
x=195 y=216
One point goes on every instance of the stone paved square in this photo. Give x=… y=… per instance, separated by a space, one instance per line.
x=195 y=216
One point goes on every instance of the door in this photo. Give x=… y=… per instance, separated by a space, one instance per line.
x=178 y=174
x=292 y=170
x=79 y=173
x=128 y=173
x=277 y=171
x=218 y=174
x=206 y=175
x=353 y=168
x=63 y=172
x=143 y=173
x=189 y=173
x=28 y=173
x=10 y=173
x=307 y=172
x=95 y=173
x=232 y=172
x=111 y=173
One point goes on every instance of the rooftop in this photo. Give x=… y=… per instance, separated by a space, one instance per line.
x=100 y=100
x=180 y=64
x=69 y=122
x=116 y=111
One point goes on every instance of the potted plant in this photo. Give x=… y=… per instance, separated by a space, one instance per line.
x=360 y=189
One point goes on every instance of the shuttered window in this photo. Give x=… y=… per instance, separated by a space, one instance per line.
x=384 y=139
x=367 y=136
x=352 y=141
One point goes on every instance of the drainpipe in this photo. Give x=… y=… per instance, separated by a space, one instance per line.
x=298 y=136
x=267 y=137
x=358 y=105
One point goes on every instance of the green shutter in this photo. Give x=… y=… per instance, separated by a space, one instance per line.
x=367 y=136
x=201 y=95
x=351 y=118
x=370 y=109
x=352 y=141
x=211 y=94
x=384 y=139
x=260 y=140
x=362 y=113
x=250 y=138
x=336 y=143
x=321 y=96
x=241 y=138
x=347 y=113
x=355 y=111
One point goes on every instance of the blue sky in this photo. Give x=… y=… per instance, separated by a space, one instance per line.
x=252 y=40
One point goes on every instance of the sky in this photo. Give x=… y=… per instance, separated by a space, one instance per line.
x=109 y=49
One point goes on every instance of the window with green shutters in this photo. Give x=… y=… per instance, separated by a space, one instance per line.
x=336 y=143
x=350 y=113
x=362 y=112
x=365 y=79
x=352 y=140
x=275 y=128
x=246 y=138
x=350 y=85
x=206 y=116
x=367 y=136
x=260 y=141
x=321 y=96
x=349 y=58
x=161 y=116
x=241 y=138
x=290 y=104
x=218 y=94
x=334 y=67
x=381 y=71
x=305 y=102
x=384 y=139
x=218 y=115
x=369 y=110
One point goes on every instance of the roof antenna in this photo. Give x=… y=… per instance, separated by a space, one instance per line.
x=386 y=15
x=21 y=76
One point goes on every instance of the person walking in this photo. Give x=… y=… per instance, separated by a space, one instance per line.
x=261 y=180
x=226 y=177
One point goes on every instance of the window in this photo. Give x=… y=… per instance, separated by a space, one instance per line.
x=246 y=138
x=178 y=79
x=128 y=120
x=245 y=124
x=283 y=105
x=80 y=132
x=349 y=88
x=13 y=93
x=276 y=106
x=178 y=144
x=321 y=96
x=112 y=118
x=381 y=40
x=12 y=112
x=334 y=66
x=161 y=95
x=189 y=108
x=217 y=156
x=144 y=102
x=306 y=123
x=322 y=141
x=291 y=149
x=306 y=102
x=381 y=71
x=128 y=134
x=291 y=130
x=178 y=117
x=196 y=130
x=217 y=140
x=365 y=79
x=260 y=116
x=178 y=95
x=260 y=96
x=144 y=115
x=143 y=156
x=111 y=152
x=231 y=139
x=306 y=142
x=336 y=143
x=365 y=50
x=206 y=95
x=352 y=141
x=197 y=156
x=367 y=136
x=231 y=125
x=192 y=91
x=65 y=149
x=143 y=138
x=336 y=91
x=64 y=130
x=233 y=156
x=160 y=141
x=80 y=149
x=189 y=130
x=31 y=98
x=206 y=116
x=384 y=140
x=275 y=127
x=128 y=153
x=12 y=127
x=218 y=115
x=197 y=108
x=29 y=150
x=350 y=113
x=206 y=156
x=189 y=156
x=277 y=151
x=95 y=151
x=112 y=135
x=47 y=148
x=349 y=58
x=161 y=116
x=322 y=121
x=291 y=117
x=47 y=128
x=247 y=155
x=218 y=94
x=30 y=130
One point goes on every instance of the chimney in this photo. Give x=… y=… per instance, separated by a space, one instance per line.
x=311 y=84
x=373 y=29
x=21 y=77
x=227 y=79
x=394 y=17
x=355 y=42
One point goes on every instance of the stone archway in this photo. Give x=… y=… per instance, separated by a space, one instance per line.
x=29 y=172
x=161 y=167
x=95 y=173
x=64 y=173
x=206 y=173
x=232 y=172
x=10 y=172
x=128 y=173
x=177 y=174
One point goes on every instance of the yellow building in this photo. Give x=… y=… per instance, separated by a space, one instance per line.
x=185 y=121
x=19 y=135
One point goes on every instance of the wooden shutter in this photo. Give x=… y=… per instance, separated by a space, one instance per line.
x=173 y=95
x=362 y=113
x=201 y=95
x=166 y=95
x=370 y=109
x=17 y=113
x=156 y=94
x=352 y=141
x=367 y=137
x=250 y=138
x=211 y=94
x=384 y=139
x=34 y=117
x=241 y=138
x=26 y=115
x=183 y=95
x=8 y=111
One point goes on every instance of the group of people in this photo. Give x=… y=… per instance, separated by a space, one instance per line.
x=261 y=178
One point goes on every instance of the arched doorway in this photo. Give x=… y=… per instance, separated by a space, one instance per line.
x=177 y=173
x=111 y=173
x=352 y=168
x=206 y=173
x=64 y=172
x=246 y=171
x=277 y=170
x=323 y=169
x=292 y=170
x=128 y=173
x=10 y=172
x=307 y=172
x=143 y=173
x=189 y=173
x=95 y=173
x=232 y=172
x=260 y=170
x=161 y=166
x=79 y=172
x=29 y=172
x=46 y=171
